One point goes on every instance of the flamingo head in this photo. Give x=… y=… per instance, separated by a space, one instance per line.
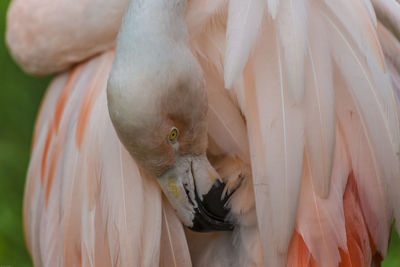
x=158 y=105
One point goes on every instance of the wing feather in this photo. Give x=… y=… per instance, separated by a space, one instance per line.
x=388 y=12
x=32 y=188
x=244 y=21
x=270 y=108
x=74 y=178
x=367 y=167
x=273 y=6
x=174 y=249
x=291 y=24
x=354 y=21
x=371 y=11
x=374 y=97
x=320 y=107
x=320 y=221
x=277 y=141
x=226 y=127
x=90 y=189
x=108 y=212
x=391 y=49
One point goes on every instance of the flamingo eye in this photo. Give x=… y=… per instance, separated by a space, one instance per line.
x=173 y=135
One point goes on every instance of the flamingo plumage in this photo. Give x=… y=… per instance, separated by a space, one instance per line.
x=136 y=131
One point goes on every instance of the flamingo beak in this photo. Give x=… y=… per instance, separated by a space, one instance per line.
x=196 y=192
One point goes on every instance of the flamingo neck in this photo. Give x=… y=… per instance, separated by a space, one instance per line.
x=154 y=20
x=151 y=31
x=153 y=60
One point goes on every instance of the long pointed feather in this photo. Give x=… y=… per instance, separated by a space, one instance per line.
x=375 y=102
x=321 y=222
x=319 y=101
x=226 y=127
x=371 y=11
x=73 y=178
x=33 y=192
x=89 y=176
x=244 y=21
x=174 y=250
x=277 y=142
x=109 y=213
x=367 y=172
x=273 y=6
x=356 y=23
x=390 y=47
x=291 y=26
x=299 y=255
x=358 y=239
x=388 y=12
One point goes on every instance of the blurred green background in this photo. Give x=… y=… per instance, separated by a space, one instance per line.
x=20 y=96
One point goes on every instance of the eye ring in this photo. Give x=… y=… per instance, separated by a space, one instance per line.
x=173 y=135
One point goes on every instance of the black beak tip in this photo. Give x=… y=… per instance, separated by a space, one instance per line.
x=211 y=213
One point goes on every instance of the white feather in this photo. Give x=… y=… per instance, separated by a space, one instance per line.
x=319 y=102
x=276 y=128
x=291 y=24
x=244 y=21
x=371 y=11
x=273 y=6
x=354 y=22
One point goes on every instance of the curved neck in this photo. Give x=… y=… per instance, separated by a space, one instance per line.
x=156 y=82
x=153 y=60
x=151 y=31
x=152 y=21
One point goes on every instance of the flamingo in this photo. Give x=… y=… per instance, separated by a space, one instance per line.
x=212 y=132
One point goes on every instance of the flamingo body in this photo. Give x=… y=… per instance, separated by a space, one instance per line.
x=306 y=139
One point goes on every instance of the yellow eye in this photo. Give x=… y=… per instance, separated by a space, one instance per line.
x=173 y=135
